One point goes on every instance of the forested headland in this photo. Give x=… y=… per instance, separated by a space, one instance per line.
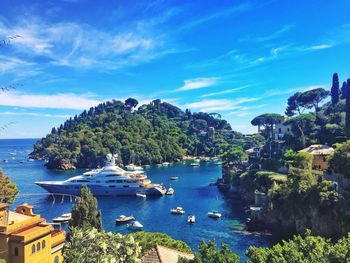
x=150 y=134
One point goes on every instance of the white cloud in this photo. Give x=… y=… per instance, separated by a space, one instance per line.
x=228 y=91
x=34 y=114
x=54 y=101
x=198 y=83
x=323 y=46
x=218 y=104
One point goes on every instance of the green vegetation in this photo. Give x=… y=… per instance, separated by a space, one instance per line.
x=209 y=253
x=91 y=245
x=149 y=240
x=308 y=249
x=340 y=161
x=84 y=211
x=234 y=155
x=8 y=190
x=153 y=133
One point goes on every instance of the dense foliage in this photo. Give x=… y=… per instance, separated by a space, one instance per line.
x=153 y=133
x=340 y=161
x=308 y=249
x=234 y=155
x=209 y=253
x=90 y=245
x=8 y=190
x=84 y=211
x=149 y=240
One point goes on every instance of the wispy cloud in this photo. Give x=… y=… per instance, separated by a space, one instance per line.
x=269 y=37
x=34 y=114
x=218 y=104
x=322 y=46
x=237 y=9
x=54 y=101
x=198 y=83
x=284 y=91
x=246 y=110
x=227 y=91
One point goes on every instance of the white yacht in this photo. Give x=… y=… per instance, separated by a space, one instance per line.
x=111 y=180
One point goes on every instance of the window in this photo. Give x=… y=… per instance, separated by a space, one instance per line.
x=16 y=251
x=38 y=247
x=33 y=249
x=279 y=130
x=43 y=244
x=56 y=260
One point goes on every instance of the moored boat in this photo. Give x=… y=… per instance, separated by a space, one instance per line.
x=111 y=180
x=177 y=211
x=123 y=219
x=64 y=218
x=170 y=191
x=214 y=214
x=191 y=219
x=174 y=178
x=135 y=225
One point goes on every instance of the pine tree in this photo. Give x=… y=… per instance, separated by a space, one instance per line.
x=347 y=108
x=335 y=89
x=84 y=212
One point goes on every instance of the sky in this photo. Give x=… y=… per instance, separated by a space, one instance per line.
x=236 y=58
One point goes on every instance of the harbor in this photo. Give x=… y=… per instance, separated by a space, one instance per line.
x=192 y=192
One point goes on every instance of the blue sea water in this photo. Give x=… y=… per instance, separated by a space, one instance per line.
x=192 y=192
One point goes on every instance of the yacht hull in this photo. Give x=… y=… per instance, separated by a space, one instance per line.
x=100 y=190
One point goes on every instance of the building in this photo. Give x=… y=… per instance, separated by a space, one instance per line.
x=162 y=254
x=281 y=129
x=320 y=153
x=26 y=237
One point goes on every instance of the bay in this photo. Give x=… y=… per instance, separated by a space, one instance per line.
x=192 y=192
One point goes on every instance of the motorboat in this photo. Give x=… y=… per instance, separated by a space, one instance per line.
x=177 y=211
x=191 y=219
x=218 y=162
x=165 y=163
x=64 y=218
x=110 y=180
x=195 y=164
x=214 y=214
x=123 y=219
x=170 y=191
x=135 y=225
x=174 y=178
x=141 y=195
x=133 y=167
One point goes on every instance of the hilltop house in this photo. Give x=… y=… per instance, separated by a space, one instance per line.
x=279 y=130
x=26 y=237
x=320 y=153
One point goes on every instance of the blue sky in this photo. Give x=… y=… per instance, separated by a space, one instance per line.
x=236 y=58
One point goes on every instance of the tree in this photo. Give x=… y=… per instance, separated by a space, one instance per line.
x=209 y=253
x=294 y=105
x=335 y=89
x=91 y=245
x=300 y=123
x=347 y=108
x=8 y=190
x=312 y=98
x=131 y=103
x=84 y=212
x=340 y=161
x=234 y=155
x=343 y=90
x=149 y=240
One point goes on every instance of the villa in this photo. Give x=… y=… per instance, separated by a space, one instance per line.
x=26 y=237
x=320 y=153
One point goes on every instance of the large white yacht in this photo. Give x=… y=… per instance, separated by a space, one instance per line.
x=111 y=180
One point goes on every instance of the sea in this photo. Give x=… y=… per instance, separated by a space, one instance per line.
x=192 y=192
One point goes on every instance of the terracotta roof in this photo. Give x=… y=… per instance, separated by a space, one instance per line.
x=165 y=255
x=318 y=149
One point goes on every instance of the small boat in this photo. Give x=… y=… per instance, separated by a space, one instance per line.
x=174 y=178
x=195 y=164
x=170 y=191
x=133 y=167
x=147 y=166
x=165 y=163
x=191 y=219
x=64 y=218
x=5 y=161
x=214 y=214
x=124 y=219
x=218 y=163
x=141 y=195
x=177 y=211
x=135 y=225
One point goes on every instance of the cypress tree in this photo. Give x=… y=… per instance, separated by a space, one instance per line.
x=84 y=212
x=343 y=90
x=335 y=89
x=347 y=108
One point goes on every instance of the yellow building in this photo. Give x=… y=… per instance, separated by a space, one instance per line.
x=26 y=237
x=320 y=153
